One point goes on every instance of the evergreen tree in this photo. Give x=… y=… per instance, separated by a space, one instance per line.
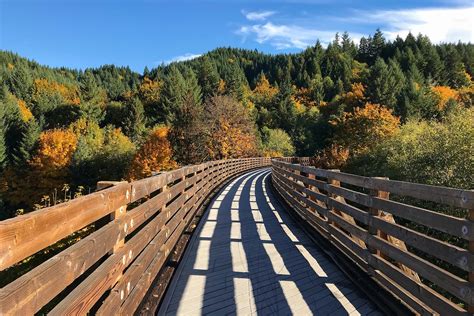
x=208 y=77
x=455 y=73
x=385 y=83
x=20 y=82
x=174 y=89
x=134 y=125
x=192 y=88
x=30 y=132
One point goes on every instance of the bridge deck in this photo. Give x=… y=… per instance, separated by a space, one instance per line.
x=249 y=257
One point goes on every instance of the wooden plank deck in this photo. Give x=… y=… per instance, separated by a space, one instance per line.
x=248 y=257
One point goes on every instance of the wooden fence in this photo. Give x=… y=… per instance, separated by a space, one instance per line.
x=111 y=269
x=356 y=215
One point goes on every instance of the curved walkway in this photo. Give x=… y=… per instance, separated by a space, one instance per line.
x=249 y=257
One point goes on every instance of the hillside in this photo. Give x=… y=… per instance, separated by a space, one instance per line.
x=375 y=107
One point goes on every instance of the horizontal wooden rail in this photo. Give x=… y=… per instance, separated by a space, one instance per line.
x=112 y=268
x=381 y=235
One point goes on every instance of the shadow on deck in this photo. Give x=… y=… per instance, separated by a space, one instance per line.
x=249 y=257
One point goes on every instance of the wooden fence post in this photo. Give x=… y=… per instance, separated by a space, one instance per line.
x=335 y=183
x=118 y=212
x=396 y=242
x=377 y=213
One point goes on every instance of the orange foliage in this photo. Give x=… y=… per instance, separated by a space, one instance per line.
x=365 y=127
x=356 y=96
x=48 y=169
x=302 y=97
x=444 y=94
x=264 y=90
x=333 y=157
x=44 y=87
x=230 y=141
x=25 y=112
x=55 y=150
x=150 y=90
x=154 y=155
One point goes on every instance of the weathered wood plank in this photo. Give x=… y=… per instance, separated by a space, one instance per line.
x=25 y=235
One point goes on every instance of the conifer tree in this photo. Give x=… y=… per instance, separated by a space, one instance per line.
x=174 y=87
x=208 y=77
x=134 y=125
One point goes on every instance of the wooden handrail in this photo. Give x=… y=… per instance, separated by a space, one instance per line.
x=119 y=259
x=356 y=215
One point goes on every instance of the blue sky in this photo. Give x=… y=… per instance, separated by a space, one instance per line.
x=139 y=33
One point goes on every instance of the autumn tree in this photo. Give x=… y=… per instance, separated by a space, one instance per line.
x=231 y=130
x=364 y=127
x=48 y=169
x=154 y=155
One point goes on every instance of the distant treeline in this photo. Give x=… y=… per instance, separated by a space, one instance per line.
x=399 y=108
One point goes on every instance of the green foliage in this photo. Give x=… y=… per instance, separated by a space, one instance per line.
x=437 y=153
x=134 y=124
x=385 y=83
x=276 y=142
x=248 y=91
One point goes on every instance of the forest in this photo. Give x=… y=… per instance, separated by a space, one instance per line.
x=400 y=109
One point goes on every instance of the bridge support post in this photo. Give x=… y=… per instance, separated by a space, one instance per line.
x=118 y=212
x=377 y=213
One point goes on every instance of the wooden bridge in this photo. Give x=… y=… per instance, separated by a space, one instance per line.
x=245 y=236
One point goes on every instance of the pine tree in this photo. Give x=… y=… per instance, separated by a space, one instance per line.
x=134 y=125
x=208 y=77
x=30 y=132
x=174 y=89
x=192 y=88
x=455 y=72
x=385 y=83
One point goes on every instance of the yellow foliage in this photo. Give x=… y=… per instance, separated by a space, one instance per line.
x=48 y=169
x=154 y=155
x=10 y=66
x=365 y=127
x=264 y=90
x=55 y=150
x=356 y=96
x=222 y=87
x=302 y=96
x=44 y=87
x=25 y=113
x=150 y=90
x=230 y=141
x=333 y=157
x=444 y=94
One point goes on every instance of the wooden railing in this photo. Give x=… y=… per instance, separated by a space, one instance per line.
x=112 y=268
x=397 y=243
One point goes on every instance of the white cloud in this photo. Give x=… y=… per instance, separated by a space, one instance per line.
x=439 y=24
x=187 y=56
x=258 y=16
x=283 y=36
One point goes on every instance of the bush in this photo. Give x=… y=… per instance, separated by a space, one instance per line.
x=430 y=152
